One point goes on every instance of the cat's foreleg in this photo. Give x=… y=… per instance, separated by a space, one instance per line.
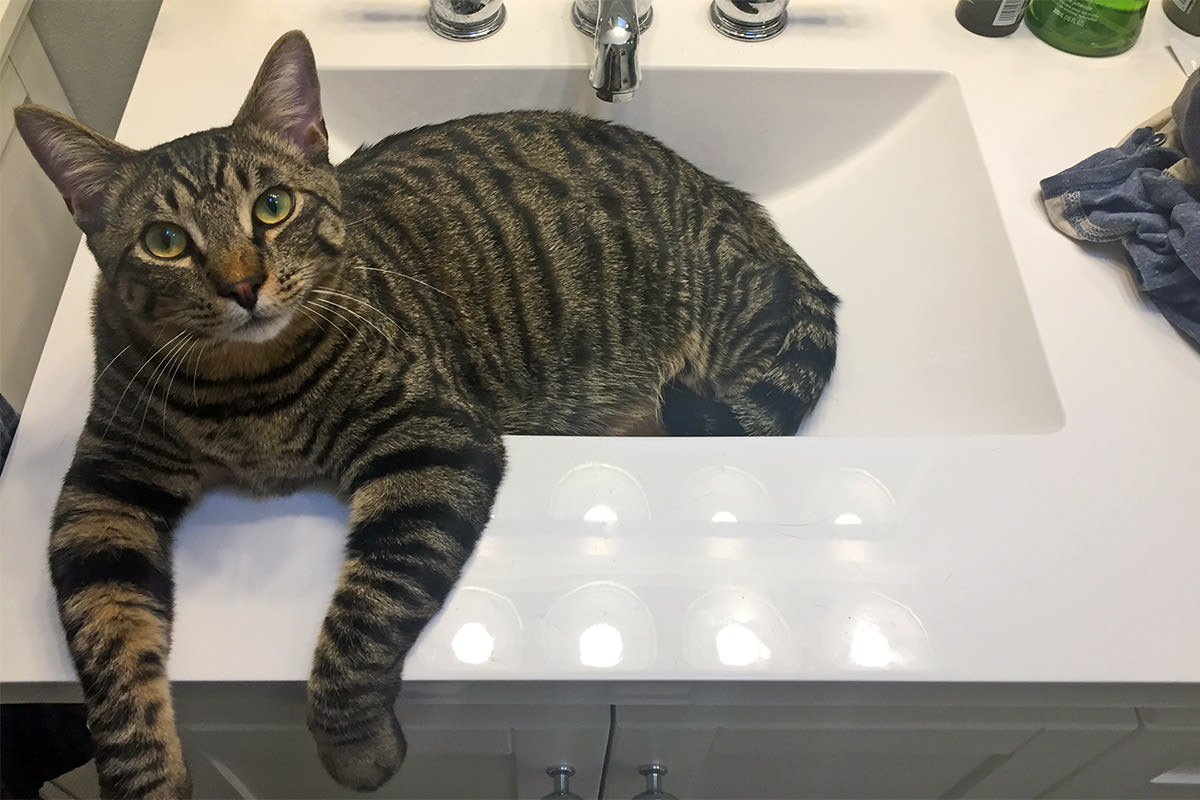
x=110 y=563
x=418 y=505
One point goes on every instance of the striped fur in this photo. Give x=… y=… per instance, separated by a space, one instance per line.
x=527 y=273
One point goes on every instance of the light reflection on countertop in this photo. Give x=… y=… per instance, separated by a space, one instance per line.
x=723 y=494
x=605 y=626
x=881 y=633
x=713 y=578
x=600 y=625
x=599 y=493
x=479 y=630
x=731 y=627
x=848 y=496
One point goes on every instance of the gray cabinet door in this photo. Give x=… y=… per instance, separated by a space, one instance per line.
x=1160 y=759
x=851 y=752
x=256 y=745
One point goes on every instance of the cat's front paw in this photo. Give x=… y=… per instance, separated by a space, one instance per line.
x=363 y=761
x=178 y=788
x=169 y=780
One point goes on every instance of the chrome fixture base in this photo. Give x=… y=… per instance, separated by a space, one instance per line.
x=746 y=31
x=588 y=26
x=468 y=29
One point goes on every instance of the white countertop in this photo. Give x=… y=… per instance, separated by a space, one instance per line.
x=1069 y=556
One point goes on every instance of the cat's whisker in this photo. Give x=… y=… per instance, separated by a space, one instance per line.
x=300 y=309
x=196 y=371
x=100 y=374
x=317 y=315
x=145 y=364
x=320 y=320
x=303 y=309
x=155 y=377
x=167 y=391
x=331 y=307
x=158 y=372
x=359 y=300
x=360 y=316
x=406 y=276
x=332 y=304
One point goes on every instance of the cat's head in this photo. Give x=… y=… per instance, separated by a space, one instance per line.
x=220 y=233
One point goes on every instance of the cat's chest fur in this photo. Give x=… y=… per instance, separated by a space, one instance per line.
x=260 y=455
x=280 y=426
x=270 y=439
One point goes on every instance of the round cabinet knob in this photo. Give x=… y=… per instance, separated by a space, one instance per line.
x=654 y=791
x=562 y=783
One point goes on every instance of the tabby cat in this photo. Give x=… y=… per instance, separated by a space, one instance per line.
x=268 y=320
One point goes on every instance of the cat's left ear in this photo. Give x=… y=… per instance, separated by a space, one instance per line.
x=286 y=97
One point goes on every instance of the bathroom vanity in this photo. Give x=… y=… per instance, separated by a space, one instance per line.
x=975 y=574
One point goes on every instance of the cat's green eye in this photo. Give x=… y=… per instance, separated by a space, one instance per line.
x=273 y=206
x=165 y=240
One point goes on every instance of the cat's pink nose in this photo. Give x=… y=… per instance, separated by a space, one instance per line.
x=243 y=292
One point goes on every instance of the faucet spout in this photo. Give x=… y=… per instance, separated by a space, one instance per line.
x=616 y=26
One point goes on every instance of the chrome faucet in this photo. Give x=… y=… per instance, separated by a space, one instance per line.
x=616 y=26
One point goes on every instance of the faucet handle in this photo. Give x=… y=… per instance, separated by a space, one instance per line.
x=749 y=20
x=464 y=20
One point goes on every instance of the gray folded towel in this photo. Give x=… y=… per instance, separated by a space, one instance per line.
x=1145 y=193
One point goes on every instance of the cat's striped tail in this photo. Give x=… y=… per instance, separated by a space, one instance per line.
x=769 y=376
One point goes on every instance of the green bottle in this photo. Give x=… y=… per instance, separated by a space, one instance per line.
x=1087 y=27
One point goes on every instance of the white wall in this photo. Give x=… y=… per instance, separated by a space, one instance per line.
x=95 y=47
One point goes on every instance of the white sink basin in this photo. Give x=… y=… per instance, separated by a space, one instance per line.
x=874 y=177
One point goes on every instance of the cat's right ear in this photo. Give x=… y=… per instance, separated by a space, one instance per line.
x=80 y=162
